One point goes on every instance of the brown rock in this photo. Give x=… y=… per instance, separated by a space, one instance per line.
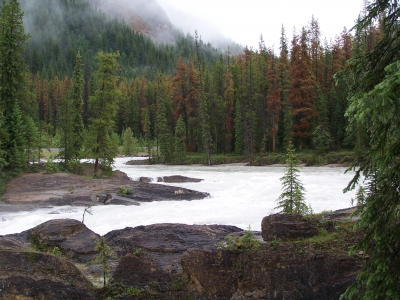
x=135 y=271
x=177 y=179
x=267 y=274
x=70 y=236
x=159 y=248
x=35 y=275
x=286 y=227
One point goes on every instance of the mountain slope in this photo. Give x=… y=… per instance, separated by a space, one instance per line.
x=144 y=16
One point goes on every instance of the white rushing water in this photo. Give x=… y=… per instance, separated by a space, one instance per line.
x=239 y=196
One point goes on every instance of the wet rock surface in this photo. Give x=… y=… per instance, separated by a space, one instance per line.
x=268 y=274
x=40 y=190
x=177 y=179
x=286 y=227
x=72 y=237
x=177 y=261
x=34 y=275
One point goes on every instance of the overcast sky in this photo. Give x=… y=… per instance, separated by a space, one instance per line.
x=245 y=20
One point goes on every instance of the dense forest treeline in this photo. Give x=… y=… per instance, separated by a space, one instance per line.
x=186 y=95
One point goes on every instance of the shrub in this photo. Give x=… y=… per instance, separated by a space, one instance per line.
x=247 y=241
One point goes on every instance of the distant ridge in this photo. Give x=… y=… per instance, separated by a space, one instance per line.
x=143 y=16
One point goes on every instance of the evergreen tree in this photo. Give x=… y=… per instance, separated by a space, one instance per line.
x=146 y=130
x=164 y=134
x=291 y=200
x=284 y=85
x=103 y=252
x=238 y=129
x=12 y=81
x=32 y=140
x=77 y=108
x=129 y=142
x=16 y=141
x=104 y=108
x=374 y=104
x=180 y=149
x=321 y=139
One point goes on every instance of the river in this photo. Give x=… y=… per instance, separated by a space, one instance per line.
x=239 y=195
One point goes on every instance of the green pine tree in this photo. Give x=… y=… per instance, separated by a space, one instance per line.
x=164 y=135
x=99 y=144
x=146 y=130
x=70 y=119
x=32 y=140
x=238 y=129
x=12 y=81
x=374 y=105
x=180 y=135
x=104 y=252
x=292 y=199
x=129 y=142
x=16 y=143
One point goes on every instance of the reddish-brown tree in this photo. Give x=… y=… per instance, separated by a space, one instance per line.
x=303 y=90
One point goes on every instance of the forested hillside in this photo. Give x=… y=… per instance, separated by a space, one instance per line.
x=187 y=96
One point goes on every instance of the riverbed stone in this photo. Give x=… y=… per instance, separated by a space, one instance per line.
x=286 y=227
x=72 y=237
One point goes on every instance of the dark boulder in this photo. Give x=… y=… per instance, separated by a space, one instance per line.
x=148 y=192
x=140 y=272
x=34 y=275
x=145 y=179
x=154 y=251
x=282 y=273
x=286 y=227
x=70 y=236
x=177 y=179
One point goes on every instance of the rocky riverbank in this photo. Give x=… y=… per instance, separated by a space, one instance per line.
x=37 y=190
x=297 y=259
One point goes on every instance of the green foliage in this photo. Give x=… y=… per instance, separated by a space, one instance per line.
x=98 y=144
x=75 y=166
x=238 y=129
x=180 y=135
x=123 y=191
x=16 y=142
x=292 y=199
x=50 y=166
x=374 y=106
x=147 y=130
x=55 y=251
x=162 y=126
x=102 y=256
x=70 y=119
x=32 y=140
x=321 y=139
x=245 y=242
x=129 y=142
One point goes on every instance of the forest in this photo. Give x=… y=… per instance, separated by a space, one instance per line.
x=249 y=104
x=186 y=97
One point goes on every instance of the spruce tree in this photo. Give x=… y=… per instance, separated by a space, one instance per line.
x=16 y=141
x=164 y=133
x=77 y=108
x=13 y=83
x=292 y=199
x=70 y=119
x=104 y=252
x=374 y=104
x=180 y=134
x=129 y=143
x=238 y=129
x=146 y=130
x=104 y=107
x=32 y=140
